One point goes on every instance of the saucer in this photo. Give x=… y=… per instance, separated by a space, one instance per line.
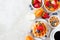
x=54 y=31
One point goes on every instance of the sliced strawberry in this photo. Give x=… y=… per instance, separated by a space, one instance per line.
x=55 y=0
x=47 y=3
x=40 y=1
x=34 y=2
x=55 y=6
x=37 y=5
x=41 y=28
x=45 y=15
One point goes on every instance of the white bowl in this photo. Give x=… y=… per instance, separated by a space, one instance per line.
x=50 y=23
x=49 y=10
x=37 y=8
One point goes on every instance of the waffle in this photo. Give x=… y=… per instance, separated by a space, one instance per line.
x=42 y=33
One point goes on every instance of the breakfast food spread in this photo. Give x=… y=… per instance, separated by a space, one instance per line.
x=52 y=5
x=37 y=3
x=39 y=29
x=54 y=21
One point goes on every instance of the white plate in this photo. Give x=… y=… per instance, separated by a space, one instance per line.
x=53 y=32
x=26 y=28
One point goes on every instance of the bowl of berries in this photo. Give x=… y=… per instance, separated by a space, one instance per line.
x=36 y=3
x=51 y=5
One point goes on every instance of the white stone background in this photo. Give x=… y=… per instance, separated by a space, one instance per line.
x=13 y=25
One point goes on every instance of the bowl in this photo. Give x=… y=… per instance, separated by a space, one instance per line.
x=53 y=22
x=51 y=10
x=47 y=29
x=36 y=3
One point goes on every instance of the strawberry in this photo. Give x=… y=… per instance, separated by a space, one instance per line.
x=47 y=3
x=55 y=6
x=39 y=1
x=37 y=5
x=40 y=27
x=34 y=2
x=55 y=0
x=45 y=15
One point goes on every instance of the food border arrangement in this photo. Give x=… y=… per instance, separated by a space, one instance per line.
x=46 y=19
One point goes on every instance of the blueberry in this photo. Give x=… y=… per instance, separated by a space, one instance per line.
x=45 y=35
x=31 y=31
x=30 y=7
x=38 y=31
x=55 y=14
x=36 y=21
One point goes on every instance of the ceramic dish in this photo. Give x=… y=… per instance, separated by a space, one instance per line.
x=52 y=9
x=36 y=4
x=53 y=32
x=47 y=26
x=54 y=21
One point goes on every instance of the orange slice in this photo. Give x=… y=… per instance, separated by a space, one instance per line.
x=39 y=12
x=29 y=37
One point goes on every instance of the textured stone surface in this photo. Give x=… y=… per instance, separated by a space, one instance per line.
x=13 y=25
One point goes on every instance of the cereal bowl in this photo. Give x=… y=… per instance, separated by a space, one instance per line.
x=54 y=21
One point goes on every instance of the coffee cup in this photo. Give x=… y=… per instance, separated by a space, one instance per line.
x=55 y=34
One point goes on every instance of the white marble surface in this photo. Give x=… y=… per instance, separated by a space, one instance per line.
x=13 y=25
x=12 y=12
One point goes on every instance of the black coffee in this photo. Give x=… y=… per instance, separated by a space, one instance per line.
x=57 y=35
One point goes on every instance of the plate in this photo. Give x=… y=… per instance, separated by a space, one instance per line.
x=28 y=26
x=53 y=32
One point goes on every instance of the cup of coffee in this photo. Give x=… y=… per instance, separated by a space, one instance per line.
x=55 y=34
